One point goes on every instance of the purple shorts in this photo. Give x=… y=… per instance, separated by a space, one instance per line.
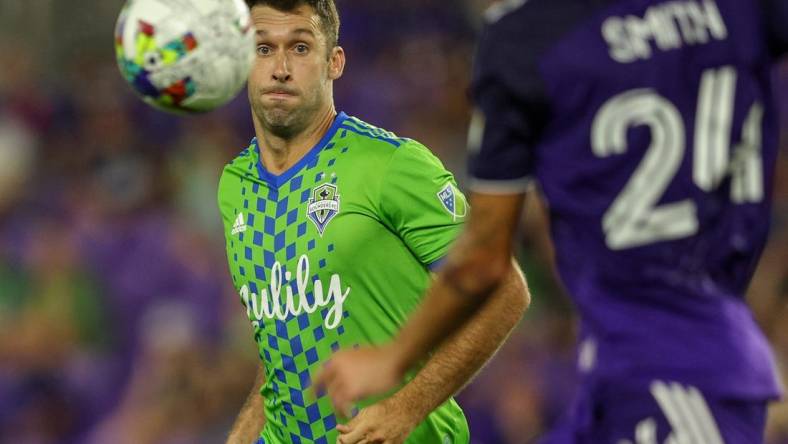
x=664 y=412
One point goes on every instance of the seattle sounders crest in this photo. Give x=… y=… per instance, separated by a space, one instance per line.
x=323 y=205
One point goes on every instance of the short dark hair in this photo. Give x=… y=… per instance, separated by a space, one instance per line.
x=325 y=9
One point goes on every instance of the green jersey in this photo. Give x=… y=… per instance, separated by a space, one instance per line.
x=333 y=253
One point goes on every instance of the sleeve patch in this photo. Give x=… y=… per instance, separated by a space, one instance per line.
x=453 y=201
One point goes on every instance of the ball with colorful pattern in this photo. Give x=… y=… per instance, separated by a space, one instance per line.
x=185 y=56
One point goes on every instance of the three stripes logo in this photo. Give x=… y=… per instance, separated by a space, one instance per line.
x=686 y=411
x=239 y=226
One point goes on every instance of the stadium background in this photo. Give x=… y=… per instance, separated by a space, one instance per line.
x=118 y=322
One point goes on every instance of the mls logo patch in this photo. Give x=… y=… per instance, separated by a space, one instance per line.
x=323 y=205
x=453 y=201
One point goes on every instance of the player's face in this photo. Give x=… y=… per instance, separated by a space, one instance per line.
x=291 y=80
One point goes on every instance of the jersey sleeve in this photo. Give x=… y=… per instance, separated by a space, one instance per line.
x=420 y=202
x=776 y=21
x=511 y=109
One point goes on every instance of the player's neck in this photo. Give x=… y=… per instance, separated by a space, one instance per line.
x=279 y=154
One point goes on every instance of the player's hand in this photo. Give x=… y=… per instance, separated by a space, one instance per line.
x=386 y=422
x=351 y=375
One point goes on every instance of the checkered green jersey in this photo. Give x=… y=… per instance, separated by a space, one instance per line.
x=333 y=253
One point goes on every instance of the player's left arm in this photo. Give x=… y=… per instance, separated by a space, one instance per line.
x=447 y=371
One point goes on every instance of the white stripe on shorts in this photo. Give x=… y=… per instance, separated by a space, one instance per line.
x=687 y=412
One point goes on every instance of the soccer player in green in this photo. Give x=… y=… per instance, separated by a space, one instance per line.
x=332 y=226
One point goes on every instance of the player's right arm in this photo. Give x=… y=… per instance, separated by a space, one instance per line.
x=251 y=419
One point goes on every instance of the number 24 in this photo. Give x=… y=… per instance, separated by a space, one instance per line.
x=634 y=219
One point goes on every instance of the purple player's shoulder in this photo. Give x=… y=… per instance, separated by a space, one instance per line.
x=775 y=13
x=518 y=33
x=538 y=24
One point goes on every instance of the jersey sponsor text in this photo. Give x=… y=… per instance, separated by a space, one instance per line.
x=269 y=304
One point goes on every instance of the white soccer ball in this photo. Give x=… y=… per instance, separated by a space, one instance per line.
x=185 y=56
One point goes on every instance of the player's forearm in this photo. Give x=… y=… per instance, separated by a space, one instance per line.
x=455 y=363
x=476 y=267
x=441 y=315
x=251 y=419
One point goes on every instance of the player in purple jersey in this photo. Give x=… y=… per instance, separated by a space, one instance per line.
x=651 y=129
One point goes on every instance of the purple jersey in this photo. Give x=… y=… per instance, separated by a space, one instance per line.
x=651 y=129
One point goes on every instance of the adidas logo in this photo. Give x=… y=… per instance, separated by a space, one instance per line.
x=240 y=224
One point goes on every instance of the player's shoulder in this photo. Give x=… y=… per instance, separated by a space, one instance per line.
x=234 y=175
x=518 y=33
x=370 y=136
x=414 y=154
x=507 y=16
x=246 y=157
x=386 y=148
x=374 y=144
x=533 y=26
x=529 y=18
x=503 y=15
x=242 y=165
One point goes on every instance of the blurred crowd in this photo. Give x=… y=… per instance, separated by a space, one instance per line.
x=118 y=320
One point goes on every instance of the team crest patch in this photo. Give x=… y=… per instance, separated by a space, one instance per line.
x=453 y=201
x=323 y=205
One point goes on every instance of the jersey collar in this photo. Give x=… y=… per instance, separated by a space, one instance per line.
x=275 y=181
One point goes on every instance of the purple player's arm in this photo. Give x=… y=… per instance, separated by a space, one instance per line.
x=447 y=371
x=476 y=267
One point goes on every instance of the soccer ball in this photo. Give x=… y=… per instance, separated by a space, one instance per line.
x=185 y=56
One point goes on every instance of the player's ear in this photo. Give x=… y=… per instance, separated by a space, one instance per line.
x=336 y=63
